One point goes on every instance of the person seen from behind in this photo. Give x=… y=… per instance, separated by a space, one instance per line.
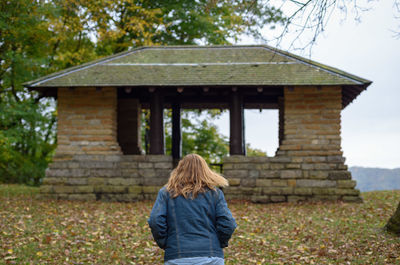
x=190 y=218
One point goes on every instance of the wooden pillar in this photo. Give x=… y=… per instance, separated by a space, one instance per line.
x=281 y=119
x=237 y=144
x=128 y=126
x=176 y=132
x=156 y=123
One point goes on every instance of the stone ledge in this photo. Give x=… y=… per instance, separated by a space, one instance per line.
x=233 y=181
x=315 y=183
x=245 y=159
x=259 y=179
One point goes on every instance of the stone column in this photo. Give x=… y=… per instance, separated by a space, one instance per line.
x=87 y=149
x=312 y=121
x=87 y=121
x=312 y=143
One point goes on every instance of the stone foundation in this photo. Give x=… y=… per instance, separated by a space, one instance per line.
x=286 y=179
x=258 y=179
x=107 y=177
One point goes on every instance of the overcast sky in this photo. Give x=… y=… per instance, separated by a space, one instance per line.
x=371 y=124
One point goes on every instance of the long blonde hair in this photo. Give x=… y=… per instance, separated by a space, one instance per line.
x=192 y=176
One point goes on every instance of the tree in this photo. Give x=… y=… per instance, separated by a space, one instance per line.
x=213 y=22
x=26 y=139
x=254 y=151
x=305 y=20
x=393 y=225
x=116 y=26
x=26 y=128
x=199 y=135
x=40 y=37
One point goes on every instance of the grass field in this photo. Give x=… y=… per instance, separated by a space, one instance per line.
x=36 y=231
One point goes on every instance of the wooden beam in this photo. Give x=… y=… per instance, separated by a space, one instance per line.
x=236 y=114
x=281 y=107
x=156 y=123
x=176 y=132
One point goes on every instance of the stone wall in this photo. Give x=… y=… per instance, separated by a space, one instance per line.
x=107 y=177
x=87 y=121
x=259 y=179
x=308 y=164
x=281 y=179
x=311 y=121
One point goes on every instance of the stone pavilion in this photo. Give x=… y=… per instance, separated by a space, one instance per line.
x=99 y=154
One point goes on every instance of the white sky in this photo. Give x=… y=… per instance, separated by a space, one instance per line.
x=371 y=124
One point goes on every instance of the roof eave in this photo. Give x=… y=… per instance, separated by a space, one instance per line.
x=364 y=86
x=320 y=65
x=31 y=84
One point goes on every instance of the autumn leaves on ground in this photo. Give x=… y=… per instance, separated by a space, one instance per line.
x=36 y=231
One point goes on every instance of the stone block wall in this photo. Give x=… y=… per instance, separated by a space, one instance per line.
x=289 y=179
x=311 y=121
x=309 y=164
x=89 y=164
x=259 y=179
x=87 y=121
x=107 y=177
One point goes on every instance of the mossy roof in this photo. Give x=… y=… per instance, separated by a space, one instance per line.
x=197 y=66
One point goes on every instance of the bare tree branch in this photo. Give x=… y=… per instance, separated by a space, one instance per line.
x=308 y=19
x=396 y=7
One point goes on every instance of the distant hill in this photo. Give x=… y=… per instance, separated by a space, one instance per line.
x=369 y=178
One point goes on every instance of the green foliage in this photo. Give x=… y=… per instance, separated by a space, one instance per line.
x=27 y=140
x=254 y=151
x=199 y=136
x=22 y=47
x=82 y=30
x=41 y=37
x=212 y=22
x=26 y=125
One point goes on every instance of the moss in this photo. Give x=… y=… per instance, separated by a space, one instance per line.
x=267 y=74
x=295 y=70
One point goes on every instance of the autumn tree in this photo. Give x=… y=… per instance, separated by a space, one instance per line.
x=26 y=122
x=40 y=37
x=199 y=135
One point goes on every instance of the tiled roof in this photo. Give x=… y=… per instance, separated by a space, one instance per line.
x=200 y=65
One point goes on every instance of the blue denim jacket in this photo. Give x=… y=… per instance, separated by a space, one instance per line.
x=198 y=227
